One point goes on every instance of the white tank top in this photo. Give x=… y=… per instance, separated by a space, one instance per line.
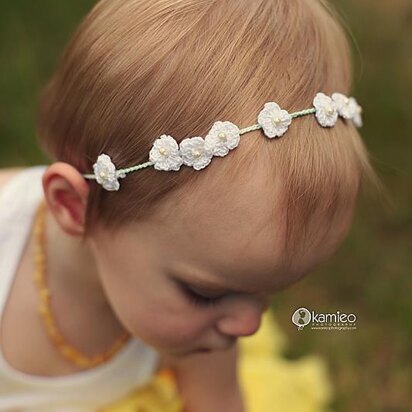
x=83 y=391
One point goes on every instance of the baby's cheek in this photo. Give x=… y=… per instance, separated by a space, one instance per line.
x=162 y=326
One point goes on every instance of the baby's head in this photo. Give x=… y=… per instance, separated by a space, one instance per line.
x=242 y=228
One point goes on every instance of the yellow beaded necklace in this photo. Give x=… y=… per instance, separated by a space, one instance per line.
x=65 y=349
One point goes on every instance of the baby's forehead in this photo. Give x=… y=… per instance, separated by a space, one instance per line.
x=234 y=227
x=231 y=240
x=254 y=264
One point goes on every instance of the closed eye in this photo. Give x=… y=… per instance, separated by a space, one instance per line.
x=198 y=298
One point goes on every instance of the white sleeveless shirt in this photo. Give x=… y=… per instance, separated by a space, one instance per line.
x=83 y=391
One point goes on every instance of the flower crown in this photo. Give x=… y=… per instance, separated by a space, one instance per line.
x=166 y=154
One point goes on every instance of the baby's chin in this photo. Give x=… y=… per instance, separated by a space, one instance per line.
x=181 y=353
x=196 y=350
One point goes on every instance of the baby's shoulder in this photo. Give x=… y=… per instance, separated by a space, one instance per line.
x=7 y=174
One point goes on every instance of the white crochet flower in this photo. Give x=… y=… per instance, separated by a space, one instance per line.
x=348 y=108
x=357 y=118
x=273 y=120
x=345 y=106
x=222 y=137
x=194 y=153
x=326 y=110
x=165 y=154
x=106 y=174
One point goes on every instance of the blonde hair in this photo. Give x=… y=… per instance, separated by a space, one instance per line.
x=137 y=69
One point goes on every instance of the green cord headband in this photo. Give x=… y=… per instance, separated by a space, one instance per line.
x=167 y=155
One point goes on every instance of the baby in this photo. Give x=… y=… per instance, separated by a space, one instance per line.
x=180 y=259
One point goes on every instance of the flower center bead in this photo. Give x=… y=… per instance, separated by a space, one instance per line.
x=277 y=121
x=163 y=151
x=330 y=111
x=102 y=174
x=222 y=137
x=197 y=154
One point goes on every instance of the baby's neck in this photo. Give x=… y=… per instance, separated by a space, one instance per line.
x=80 y=304
x=70 y=263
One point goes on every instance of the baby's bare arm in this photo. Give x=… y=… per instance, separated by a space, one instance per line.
x=208 y=381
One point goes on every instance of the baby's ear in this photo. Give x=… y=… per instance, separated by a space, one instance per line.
x=66 y=193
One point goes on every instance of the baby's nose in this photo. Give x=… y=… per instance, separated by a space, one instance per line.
x=244 y=321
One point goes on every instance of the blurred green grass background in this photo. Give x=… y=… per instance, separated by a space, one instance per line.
x=370 y=275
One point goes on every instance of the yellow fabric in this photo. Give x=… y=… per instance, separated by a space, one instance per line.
x=273 y=383
x=159 y=395
x=269 y=382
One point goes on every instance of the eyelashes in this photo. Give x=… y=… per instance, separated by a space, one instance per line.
x=197 y=299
